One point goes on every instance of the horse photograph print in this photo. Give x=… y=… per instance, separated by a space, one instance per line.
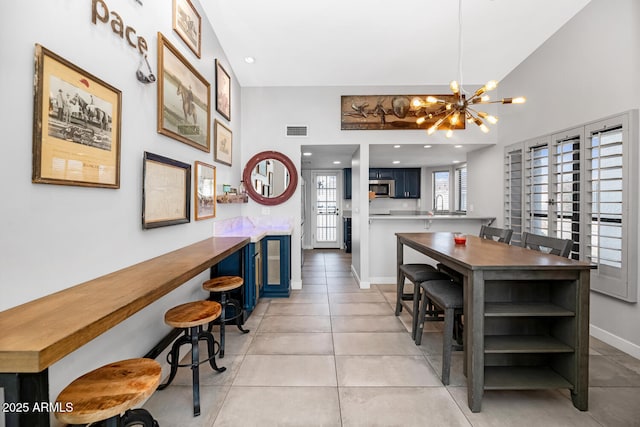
x=183 y=98
x=76 y=137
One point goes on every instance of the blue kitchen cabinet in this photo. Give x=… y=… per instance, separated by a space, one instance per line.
x=276 y=266
x=246 y=264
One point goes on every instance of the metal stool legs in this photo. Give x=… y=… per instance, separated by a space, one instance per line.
x=228 y=302
x=193 y=336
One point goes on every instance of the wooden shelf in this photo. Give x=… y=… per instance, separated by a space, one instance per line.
x=232 y=198
x=511 y=309
x=524 y=344
x=523 y=378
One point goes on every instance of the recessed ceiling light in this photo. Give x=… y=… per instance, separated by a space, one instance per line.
x=249 y=59
x=395 y=162
x=306 y=154
x=457 y=146
x=396 y=146
x=427 y=146
x=336 y=162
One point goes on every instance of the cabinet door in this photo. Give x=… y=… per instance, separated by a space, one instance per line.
x=412 y=183
x=381 y=173
x=407 y=183
x=276 y=265
x=347 y=183
x=400 y=189
x=385 y=173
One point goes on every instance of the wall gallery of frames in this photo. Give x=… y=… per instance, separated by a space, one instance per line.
x=78 y=118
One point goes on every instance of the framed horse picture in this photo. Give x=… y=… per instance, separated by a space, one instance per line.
x=223 y=91
x=184 y=99
x=76 y=125
x=187 y=24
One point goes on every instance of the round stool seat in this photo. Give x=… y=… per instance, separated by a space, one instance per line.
x=223 y=284
x=192 y=314
x=108 y=391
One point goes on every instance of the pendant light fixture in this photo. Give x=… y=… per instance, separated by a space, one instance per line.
x=462 y=107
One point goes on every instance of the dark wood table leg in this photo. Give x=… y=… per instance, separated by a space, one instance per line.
x=24 y=395
x=475 y=343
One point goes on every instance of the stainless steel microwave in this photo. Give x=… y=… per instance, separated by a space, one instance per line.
x=382 y=188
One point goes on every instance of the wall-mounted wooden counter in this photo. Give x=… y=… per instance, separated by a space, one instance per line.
x=39 y=333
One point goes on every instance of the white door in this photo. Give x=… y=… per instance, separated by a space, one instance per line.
x=325 y=210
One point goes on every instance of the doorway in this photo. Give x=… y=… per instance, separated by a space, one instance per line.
x=325 y=209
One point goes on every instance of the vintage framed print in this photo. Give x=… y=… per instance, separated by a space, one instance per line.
x=223 y=146
x=223 y=91
x=166 y=191
x=183 y=99
x=205 y=191
x=76 y=125
x=382 y=112
x=188 y=25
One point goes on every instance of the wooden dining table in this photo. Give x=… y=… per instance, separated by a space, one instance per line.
x=526 y=314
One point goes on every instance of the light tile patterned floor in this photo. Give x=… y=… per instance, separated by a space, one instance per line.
x=335 y=355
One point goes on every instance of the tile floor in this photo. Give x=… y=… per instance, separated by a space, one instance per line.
x=335 y=355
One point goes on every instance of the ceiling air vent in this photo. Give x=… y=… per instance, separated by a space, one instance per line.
x=297 y=131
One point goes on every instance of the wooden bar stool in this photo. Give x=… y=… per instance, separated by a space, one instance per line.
x=222 y=285
x=104 y=394
x=191 y=317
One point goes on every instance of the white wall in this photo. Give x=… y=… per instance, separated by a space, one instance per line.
x=588 y=70
x=267 y=111
x=53 y=236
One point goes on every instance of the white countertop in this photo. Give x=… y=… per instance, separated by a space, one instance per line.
x=253 y=227
x=428 y=217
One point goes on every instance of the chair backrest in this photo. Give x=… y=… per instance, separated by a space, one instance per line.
x=556 y=246
x=502 y=235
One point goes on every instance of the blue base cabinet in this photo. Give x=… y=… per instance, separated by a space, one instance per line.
x=276 y=266
x=243 y=263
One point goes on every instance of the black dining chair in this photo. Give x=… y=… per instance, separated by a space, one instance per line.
x=449 y=296
x=547 y=244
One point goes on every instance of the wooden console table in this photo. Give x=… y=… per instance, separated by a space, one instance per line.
x=39 y=333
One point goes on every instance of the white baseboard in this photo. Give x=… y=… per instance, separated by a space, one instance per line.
x=361 y=284
x=384 y=280
x=615 y=341
x=296 y=284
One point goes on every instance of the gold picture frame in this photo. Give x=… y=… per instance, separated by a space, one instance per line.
x=184 y=98
x=166 y=191
x=223 y=146
x=223 y=91
x=76 y=125
x=205 y=191
x=188 y=25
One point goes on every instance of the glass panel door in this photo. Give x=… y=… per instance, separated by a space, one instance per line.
x=326 y=211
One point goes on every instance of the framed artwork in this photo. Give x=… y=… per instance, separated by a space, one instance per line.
x=183 y=99
x=166 y=191
x=223 y=92
x=188 y=25
x=205 y=191
x=223 y=146
x=376 y=112
x=76 y=125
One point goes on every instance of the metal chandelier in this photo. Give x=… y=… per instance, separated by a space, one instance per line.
x=452 y=114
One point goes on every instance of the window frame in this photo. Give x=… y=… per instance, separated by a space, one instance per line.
x=621 y=286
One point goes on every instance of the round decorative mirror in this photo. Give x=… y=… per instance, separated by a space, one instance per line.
x=270 y=178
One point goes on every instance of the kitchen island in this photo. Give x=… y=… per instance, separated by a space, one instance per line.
x=384 y=225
